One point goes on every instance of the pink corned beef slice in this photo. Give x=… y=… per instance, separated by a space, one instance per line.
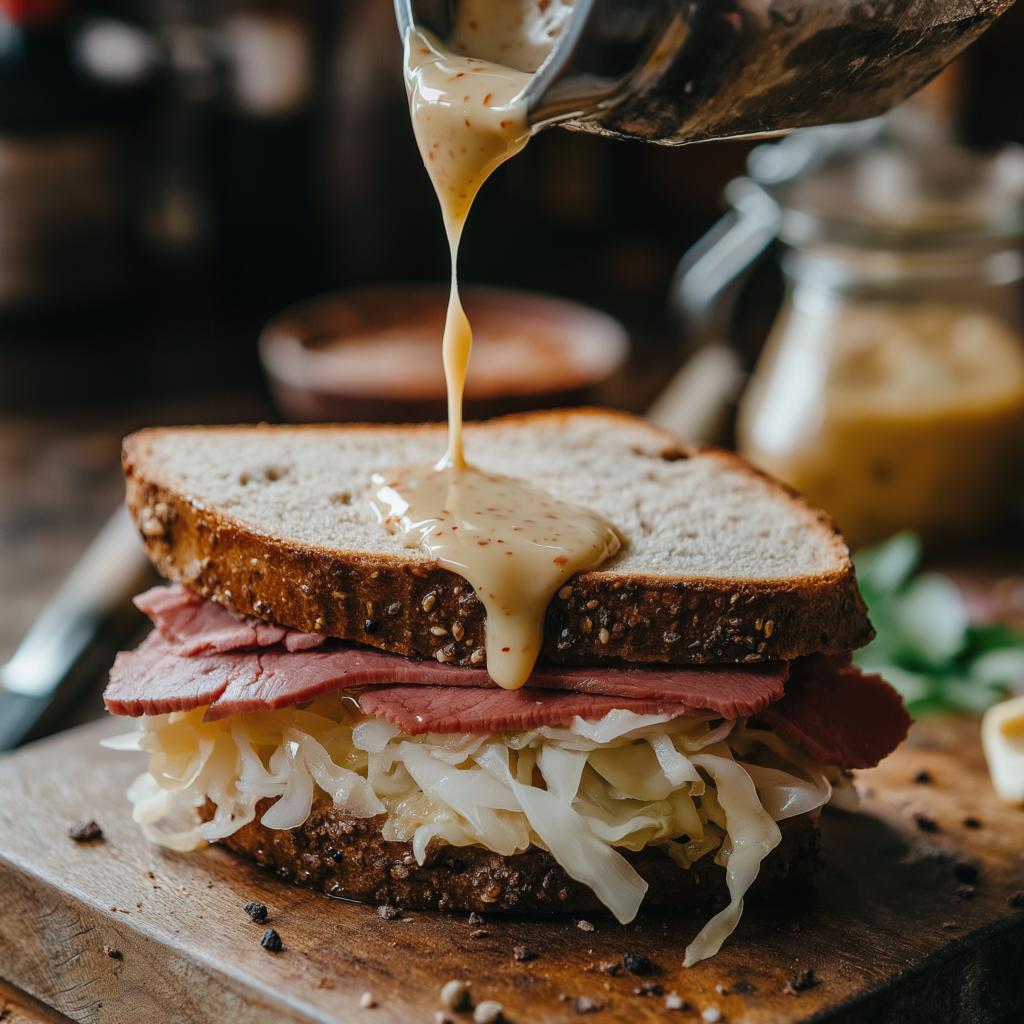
x=837 y=715
x=154 y=680
x=274 y=678
x=197 y=625
x=200 y=655
x=440 y=709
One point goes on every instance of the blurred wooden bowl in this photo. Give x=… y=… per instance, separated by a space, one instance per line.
x=373 y=354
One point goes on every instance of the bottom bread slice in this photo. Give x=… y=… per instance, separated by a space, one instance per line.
x=347 y=857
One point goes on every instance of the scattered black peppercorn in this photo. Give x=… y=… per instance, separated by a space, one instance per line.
x=523 y=953
x=972 y=823
x=271 y=941
x=371 y=626
x=965 y=892
x=388 y=913
x=113 y=953
x=85 y=832
x=256 y=911
x=922 y=778
x=338 y=857
x=802 y=982
x=637 y=964
x=966 y=873
x=1017 y=899
x=926 y=824
x=742 y=988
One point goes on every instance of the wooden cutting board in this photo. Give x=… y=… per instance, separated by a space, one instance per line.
x=888 y=930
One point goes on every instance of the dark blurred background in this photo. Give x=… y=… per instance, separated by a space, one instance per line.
x=175 y=172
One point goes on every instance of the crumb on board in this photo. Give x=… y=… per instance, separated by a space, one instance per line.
x=257 y=911
x=85 y=832
x=479 y=933
x=113 y=952
x=366 y=1001
x=476 y=919
x=964 y=892
x=584 y=926
x=711 y=1015
x=611 y=967
x=675 y=1002
x=522 y=953
x=386 y=913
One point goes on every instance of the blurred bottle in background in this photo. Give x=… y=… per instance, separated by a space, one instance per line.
x=263 y=152
x=73 y=94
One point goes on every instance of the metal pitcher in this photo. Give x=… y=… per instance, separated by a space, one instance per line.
x=676 y=71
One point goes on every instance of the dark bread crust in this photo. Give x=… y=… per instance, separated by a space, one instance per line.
x=346 y=856
x=392 y=601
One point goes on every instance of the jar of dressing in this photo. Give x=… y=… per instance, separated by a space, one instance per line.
x=891 y=389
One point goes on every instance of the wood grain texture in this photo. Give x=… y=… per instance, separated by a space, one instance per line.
x=17 y=1007
x=884 y=929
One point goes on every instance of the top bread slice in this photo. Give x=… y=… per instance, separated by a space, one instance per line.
x=720 y=562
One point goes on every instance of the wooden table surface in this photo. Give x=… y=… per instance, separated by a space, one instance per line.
x=888 y=929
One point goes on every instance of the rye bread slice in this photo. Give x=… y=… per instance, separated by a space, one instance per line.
x=720 y=562
x=345 y=856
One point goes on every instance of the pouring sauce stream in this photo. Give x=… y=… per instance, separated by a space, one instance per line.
x=516 y=544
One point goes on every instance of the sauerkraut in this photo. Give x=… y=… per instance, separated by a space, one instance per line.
x=692 y=786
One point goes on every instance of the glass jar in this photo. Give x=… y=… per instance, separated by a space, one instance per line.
x=891 y=389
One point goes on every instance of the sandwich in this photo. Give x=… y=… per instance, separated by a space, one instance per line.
x=315 y=694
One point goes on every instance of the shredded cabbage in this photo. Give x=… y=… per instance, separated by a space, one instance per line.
x=689 y=785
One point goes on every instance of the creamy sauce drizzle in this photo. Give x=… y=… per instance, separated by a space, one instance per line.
x=516 y=544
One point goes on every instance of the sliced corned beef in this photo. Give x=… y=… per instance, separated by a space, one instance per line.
x=197 y=625
x=154 y=680
x=441 y=709
x=276 y=678
x=289 y=678
x=201 y=655
x=838 y=715
x=730 y=691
